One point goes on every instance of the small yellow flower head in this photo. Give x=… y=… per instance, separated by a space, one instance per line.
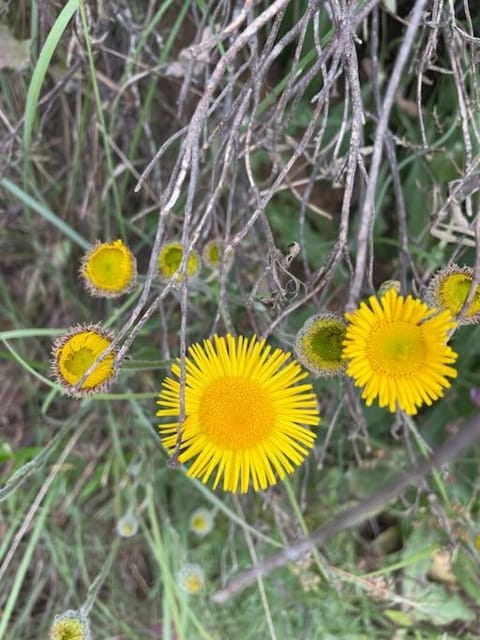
x=448 y=289
x=245 y=413
x=109 y=269
x=201 y=521
x=75 y=352
x=170 y=259
x=212 y=255
x=71 y=625
x=319 y=344
x=191 y=579
x=387 y=285
x=396 y=349
x=476 y=541
x=127 y=526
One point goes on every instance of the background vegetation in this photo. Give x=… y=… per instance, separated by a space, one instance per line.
x=349 y=128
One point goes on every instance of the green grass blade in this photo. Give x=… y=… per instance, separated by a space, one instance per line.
x=40 y=71
x=45 y=212
x=25 y=564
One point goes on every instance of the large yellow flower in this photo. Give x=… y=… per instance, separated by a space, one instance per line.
x=396 y=349
x=244 y=412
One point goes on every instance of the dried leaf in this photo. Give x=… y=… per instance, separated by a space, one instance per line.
x=178 y=68
x=14 y=54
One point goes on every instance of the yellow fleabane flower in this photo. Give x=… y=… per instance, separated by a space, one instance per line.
x=213 y=253
x=109 y=269
x=191 y=579
x=75 y=352
x=449 y=288
x=201 y=521
x=396 y=349
x=71 y=625
x=170 y=259
x=319 y=344
x=127 y=526
x=244 y=413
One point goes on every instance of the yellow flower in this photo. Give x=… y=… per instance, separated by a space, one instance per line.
x=109 y=269
x=396 y=349
x=201 y=521
x=71 y=625
x=449 y=288
x=213 y=253
x=243 y=413
x=319 y=344
x=476 y=541
x=191 y=579
x=75 y=352
x=170 y=259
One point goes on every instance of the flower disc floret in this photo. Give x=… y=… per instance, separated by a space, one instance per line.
x=109 y=269
x=75 y=352
x=244 y=413
x=319 y=344
x=449 y=288
x=396 y=349
x=170 y=258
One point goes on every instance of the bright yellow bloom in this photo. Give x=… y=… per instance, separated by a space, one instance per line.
x=71 y=625
x=396 y=349
x=109 y=269
x=319 y=344
x=191 y=579
x=244 y=413
x=75 y=352
x=449 y=289
x=170 y=259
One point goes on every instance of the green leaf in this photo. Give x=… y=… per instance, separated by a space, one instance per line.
x=430 y=601
x=6 y=452
x=468 y=576
x=440 y=608
x=41 y=68
x=399 y=618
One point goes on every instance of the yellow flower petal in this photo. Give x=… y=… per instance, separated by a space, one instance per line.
x=244 y=413
x=396 y=349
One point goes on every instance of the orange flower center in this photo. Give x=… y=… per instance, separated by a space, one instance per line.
x=397 y=348
x=236 y=413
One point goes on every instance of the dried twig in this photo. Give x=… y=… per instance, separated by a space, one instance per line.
x=466 y=437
